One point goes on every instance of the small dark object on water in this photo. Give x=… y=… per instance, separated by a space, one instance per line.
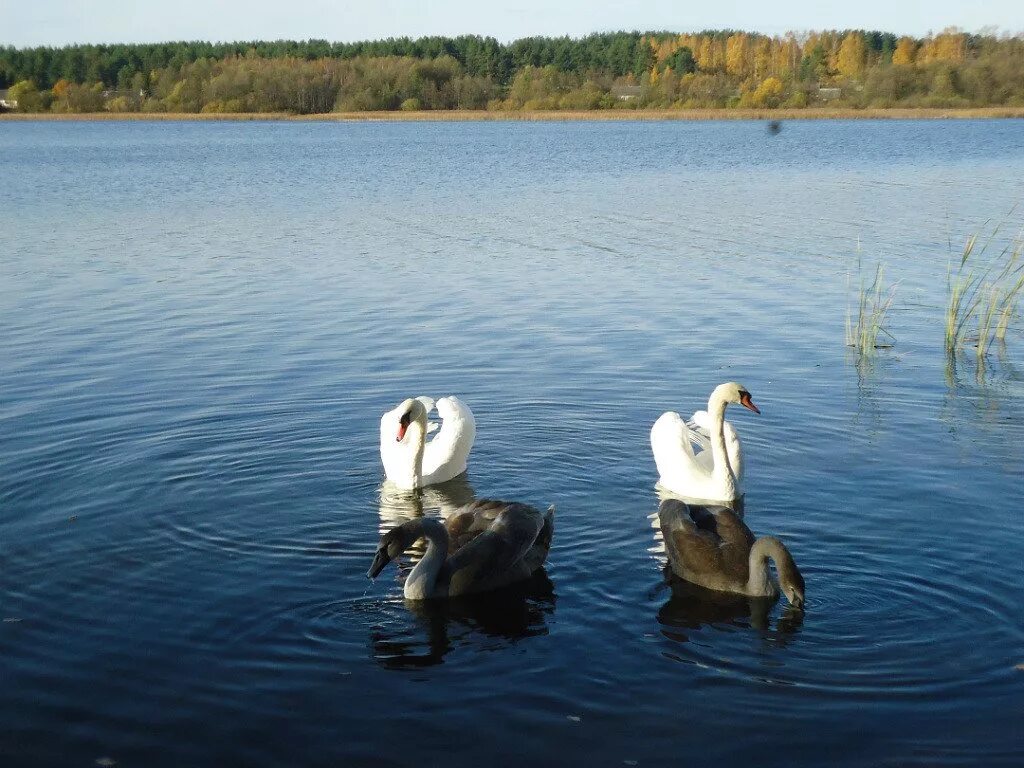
x=774 y=127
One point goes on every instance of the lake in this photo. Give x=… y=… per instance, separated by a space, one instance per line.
x=202 y=323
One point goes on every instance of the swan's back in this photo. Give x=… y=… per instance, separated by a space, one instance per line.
x=494 y=543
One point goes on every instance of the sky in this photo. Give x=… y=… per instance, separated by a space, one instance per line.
x=61 y=22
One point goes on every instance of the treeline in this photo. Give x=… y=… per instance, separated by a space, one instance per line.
x=617 y=70
x=116 y=66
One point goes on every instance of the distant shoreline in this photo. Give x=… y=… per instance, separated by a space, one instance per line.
x=546 y=116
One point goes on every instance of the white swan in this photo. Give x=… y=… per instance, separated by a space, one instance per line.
x=411 y=462
x=492 y=544
x=715 y=471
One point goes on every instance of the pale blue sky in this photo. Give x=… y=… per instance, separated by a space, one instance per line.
x=58 y=22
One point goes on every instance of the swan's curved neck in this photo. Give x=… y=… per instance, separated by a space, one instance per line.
x=759 y=580
x=722 y=470
x=411 y=448
x=422 y=581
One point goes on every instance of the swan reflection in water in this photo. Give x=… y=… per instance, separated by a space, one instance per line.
x=397 y=506
x=427 y=630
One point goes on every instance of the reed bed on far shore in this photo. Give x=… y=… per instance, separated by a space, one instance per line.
x=559 y=115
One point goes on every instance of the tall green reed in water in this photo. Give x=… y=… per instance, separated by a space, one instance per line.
x=865 y=327
x=983 y=292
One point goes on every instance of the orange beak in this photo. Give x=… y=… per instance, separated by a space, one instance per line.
x=403 y=424
x=746 y=402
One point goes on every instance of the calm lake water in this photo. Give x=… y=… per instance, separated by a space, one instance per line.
x=202 y=323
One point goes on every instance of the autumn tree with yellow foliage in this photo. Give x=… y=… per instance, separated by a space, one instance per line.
x=906 y=50
x=768 y=94
x=852 y=54
x=949 y=45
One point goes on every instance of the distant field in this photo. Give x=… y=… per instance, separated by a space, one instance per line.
x=597 y=114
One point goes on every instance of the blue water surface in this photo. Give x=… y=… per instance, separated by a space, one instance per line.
x=202 y=323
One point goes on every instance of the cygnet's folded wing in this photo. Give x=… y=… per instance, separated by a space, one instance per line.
x=496 y=537
x=692 y=550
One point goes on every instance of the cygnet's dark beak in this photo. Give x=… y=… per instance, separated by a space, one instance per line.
x=380 y=560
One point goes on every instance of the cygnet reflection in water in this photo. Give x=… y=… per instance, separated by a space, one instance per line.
x=437 y=627
x=691 y=608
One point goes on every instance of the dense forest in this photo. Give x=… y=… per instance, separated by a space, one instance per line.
x=629 y=70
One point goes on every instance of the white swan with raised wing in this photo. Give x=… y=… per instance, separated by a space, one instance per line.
x=409 y=460
x=702 y=459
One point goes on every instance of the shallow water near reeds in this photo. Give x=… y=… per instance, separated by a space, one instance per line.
x=201 y=324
